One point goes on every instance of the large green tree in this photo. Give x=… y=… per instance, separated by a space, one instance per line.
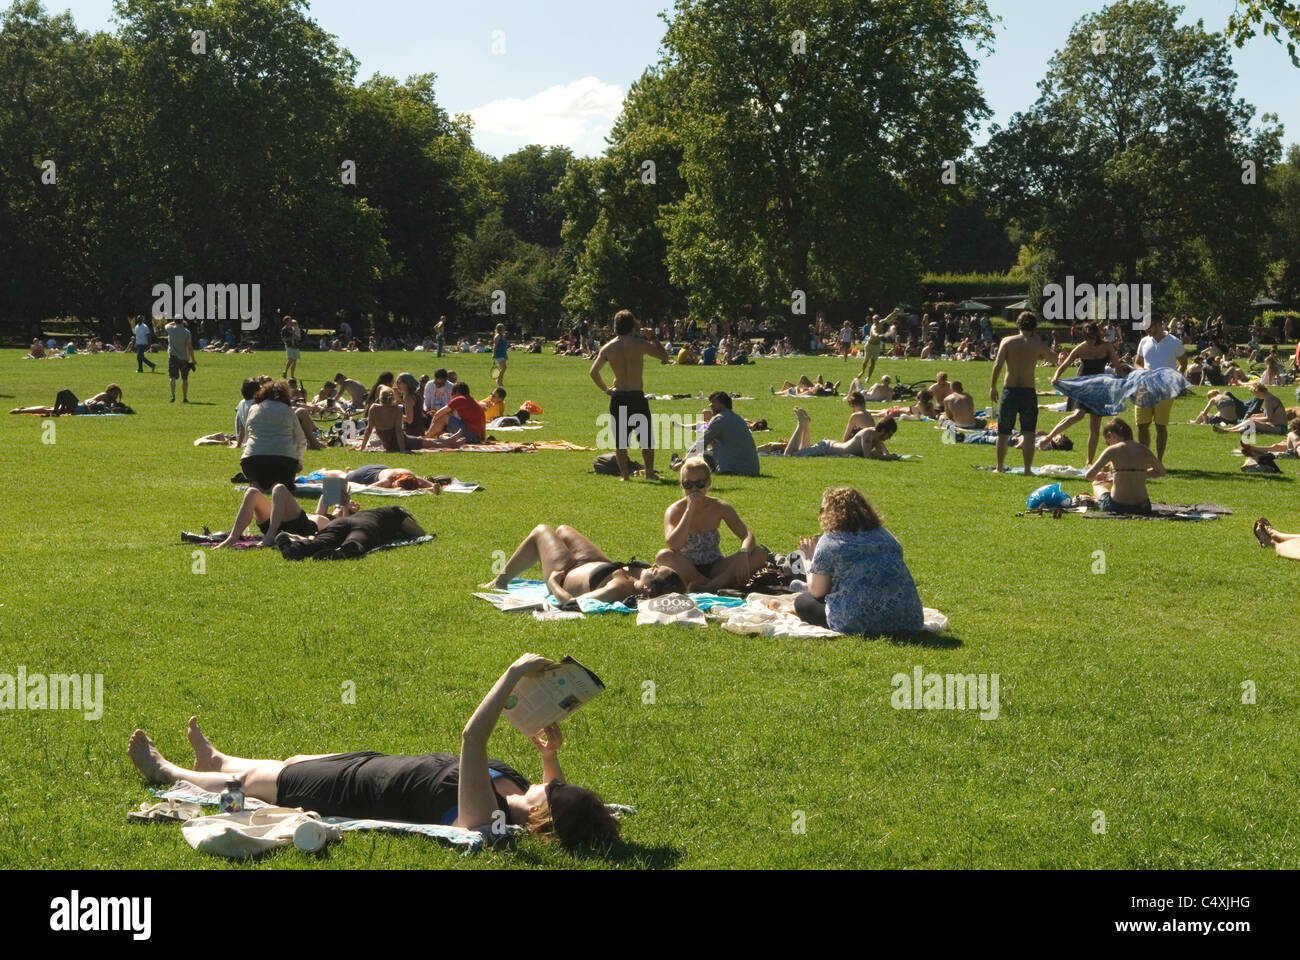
x=814 y=134
x=1137 y=163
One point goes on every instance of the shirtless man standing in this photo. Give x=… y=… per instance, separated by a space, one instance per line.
x=628 y=408
x=1020 y=354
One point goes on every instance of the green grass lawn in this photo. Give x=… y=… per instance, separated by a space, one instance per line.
x=1120 y=692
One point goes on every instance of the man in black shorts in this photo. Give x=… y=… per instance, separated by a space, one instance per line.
x=628 y=409
x=1019 y=354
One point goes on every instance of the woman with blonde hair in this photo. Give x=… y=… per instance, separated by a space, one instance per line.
x=857 y=582
x=691 y=528
x=468 y=790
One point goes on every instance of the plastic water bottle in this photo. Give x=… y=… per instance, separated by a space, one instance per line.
x=232 y=797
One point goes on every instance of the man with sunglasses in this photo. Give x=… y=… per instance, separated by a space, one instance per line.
x=628 y=409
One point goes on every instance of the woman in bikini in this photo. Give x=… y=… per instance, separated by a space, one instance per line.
x=691 y=528
x=415 y=422
x=384 y=418
x=576 y=569
x=808 y=388
x=468 y=790
x=868 y=443
x=281 y=512
x=386 y=478
x=1092 y=356
x=859 y=419
x=1124 y=488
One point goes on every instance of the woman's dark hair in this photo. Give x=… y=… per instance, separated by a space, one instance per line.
x=275 y=390
x=385 y=380
x=856 y=399
x=1092 y=333
x=665 y=581
x=248 y=389
x=575 y=816
x=461 y=389
x=1119 y=426
x=887 y=427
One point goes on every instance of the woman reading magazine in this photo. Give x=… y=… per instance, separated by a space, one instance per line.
x=463 y=791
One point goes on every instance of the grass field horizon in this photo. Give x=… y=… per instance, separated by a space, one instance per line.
x=1120 y=692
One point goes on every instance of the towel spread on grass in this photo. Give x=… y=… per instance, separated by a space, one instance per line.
x=508 y=447
x=1107 y=395
x=514 y=427
x=756 y=616
x=1058 y=470
x=310 y=486
x=469 y=841
x=529 y=592
x=1159 y=511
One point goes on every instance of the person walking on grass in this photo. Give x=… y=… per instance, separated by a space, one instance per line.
x=143 y=334
x=1156 y=350
x=291 y=334
x=874 y=345
x=1018 y=355
x=180 y=358
x=628 y=410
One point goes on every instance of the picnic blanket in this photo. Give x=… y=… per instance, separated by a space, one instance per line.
x=1107 y=395
x=1159 y=511
x=315 y=489
x=756 y=616
x=1058 y=470
x=534 y=595
x=468 y=841
x=508 y=447
x=530 y=424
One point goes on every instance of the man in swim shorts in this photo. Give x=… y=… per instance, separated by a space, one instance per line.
x=628 y=409
x=1019 y=354
x=1156 y=350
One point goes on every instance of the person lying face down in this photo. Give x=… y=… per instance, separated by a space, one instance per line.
x=352 y=535
x=469 y=791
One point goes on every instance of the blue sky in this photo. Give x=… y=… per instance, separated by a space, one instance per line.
x=563 y=67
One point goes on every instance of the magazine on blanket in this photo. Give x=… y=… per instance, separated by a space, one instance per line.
x=512 y=603
x=550 y=696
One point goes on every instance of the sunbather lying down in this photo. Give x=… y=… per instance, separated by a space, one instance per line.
x=804 y=387
x=468 y=791
x=1285 y=544
x=352 y=535
x=869 y=442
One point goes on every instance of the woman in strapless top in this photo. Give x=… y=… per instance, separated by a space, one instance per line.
x=1091 y=356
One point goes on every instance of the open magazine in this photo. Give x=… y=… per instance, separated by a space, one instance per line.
x=550 y=696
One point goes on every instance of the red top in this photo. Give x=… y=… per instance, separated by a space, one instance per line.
x=470 y=413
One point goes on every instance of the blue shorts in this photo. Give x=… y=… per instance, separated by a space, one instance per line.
x=1104 y=502
x=456 y=425
x=1022 y=401
x=819 y=449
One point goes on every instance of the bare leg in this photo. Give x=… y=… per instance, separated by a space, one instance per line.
x=678 y=563
x=1027 y=448
x=1162 y=440
x=624 y=465
x=259 y=779
x=580 y=548
x=541 y=546
x=1094 y=434
x=255 y=506
x=735 y=569
x=802 y=430
x=283 y=507
x=1004 y=441
x=1066 y=424
x=437 y=425
x=649 y=456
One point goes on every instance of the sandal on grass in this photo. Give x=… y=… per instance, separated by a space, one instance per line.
x=1262 y=529
x=166 y=811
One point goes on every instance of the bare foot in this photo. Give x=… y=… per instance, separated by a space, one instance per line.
x=495 y=584
x=801 y=414
x=206 y=756
x=151 y=764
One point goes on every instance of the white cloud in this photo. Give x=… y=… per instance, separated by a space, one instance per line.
x=577 y=116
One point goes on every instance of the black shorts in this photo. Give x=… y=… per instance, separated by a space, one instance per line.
x=177 y=369
x=265 y=472
x=706 y=567
x=1073 y=404
x=630 y=412
x=301 y=525
x=1022 y=401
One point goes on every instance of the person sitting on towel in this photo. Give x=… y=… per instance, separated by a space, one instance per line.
x=691 y=529
x=1123 y=489
x=468 y=790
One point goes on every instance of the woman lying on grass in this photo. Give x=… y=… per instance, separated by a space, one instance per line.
x=691 y=527
x=351 y=535
x=1288 y=448
x=386 y=478
x=857 y=581
x=808 y=388
x=575 y=568
x=868 y=443
x=465 y=791
x=1123 y=489
x=280 y=512
x=67 y=405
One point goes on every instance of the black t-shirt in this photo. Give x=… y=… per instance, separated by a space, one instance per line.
x=376 y=786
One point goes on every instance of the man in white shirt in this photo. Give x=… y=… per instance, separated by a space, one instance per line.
x=1158 y=349
x=143 y=334
x=437 y=392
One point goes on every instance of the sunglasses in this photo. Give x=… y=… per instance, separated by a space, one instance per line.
x=694 y=484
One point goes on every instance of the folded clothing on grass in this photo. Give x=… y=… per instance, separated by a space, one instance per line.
x=523 y=596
